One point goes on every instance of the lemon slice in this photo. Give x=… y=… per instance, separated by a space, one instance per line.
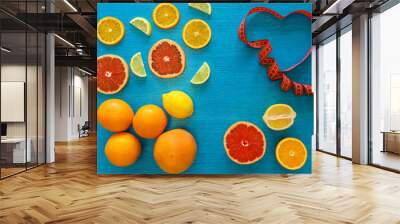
x=110 y=30
x=201 y=75
x=279 y=117
x=142 y=24
x=166 y=15
x=196 y=33
x=203 y=7
x=137 y=65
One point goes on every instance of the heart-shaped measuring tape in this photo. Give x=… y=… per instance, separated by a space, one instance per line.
x=273 y=70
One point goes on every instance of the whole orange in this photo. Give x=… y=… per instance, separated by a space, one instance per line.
x=115 y=115
x=175 y=151
x=122 y=149
x=150 y=121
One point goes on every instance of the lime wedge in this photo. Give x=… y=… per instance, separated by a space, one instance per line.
x=201 y=75
x=142 y=24
x=203 y=7
x=137 y=65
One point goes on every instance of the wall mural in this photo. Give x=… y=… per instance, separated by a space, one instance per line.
x=200 y=88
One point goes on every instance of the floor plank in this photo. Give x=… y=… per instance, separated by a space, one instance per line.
x=70 y=191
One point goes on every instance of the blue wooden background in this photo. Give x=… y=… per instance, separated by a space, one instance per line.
x=238 y=88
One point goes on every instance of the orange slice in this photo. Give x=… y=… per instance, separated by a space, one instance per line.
x=291 y=153
x=196 y=33
x=110 y=30
x=165 y=15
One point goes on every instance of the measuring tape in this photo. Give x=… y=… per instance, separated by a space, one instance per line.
x=273 y=70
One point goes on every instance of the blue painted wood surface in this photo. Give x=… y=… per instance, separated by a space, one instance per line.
x=238 y=88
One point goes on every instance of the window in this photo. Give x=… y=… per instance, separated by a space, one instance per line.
x=22 y=77
x=385 y=89
x=327 y=96
x=346 y=93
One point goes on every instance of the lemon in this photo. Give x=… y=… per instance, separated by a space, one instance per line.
x=141 y=24
x=166 y=15
x=201 y=75
x=279 y=117
x=203 y=7
x=110 y=30
x=137 y=65
x=178 y=104
x=196 y=33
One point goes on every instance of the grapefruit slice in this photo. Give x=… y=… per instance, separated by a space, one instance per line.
x=291 y=153
x=244 y=143
x=112 y=74
x=167 y=59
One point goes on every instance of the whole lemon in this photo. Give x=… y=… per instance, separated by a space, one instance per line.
x=122 y=149
x=115 y=115
x=175 y=151
x=149 y=121
x=178 y=104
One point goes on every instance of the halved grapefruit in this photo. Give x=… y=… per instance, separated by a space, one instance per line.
x=167 y=59
x=244 y=143
x=112 y=74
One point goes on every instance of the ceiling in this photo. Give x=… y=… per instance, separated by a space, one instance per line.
x=74 y=21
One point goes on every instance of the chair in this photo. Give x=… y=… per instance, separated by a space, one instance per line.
x=84 y=130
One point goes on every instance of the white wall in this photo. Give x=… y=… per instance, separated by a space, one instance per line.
x=71 y=102
x=33 y=127
x=16 y=73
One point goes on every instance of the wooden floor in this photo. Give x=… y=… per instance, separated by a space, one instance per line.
x=69 y=191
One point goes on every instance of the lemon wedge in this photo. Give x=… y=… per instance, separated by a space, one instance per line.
x=141 y=24
x=202 y=75
x=203 y=7
x=137 y=65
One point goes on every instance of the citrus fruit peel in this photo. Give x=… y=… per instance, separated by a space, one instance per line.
x=112 y=74
x=137 y=65
x=178 y=104
x=244 y=143
x=122 y=149
x=175 y=151
x=291 y=153
x=110 y=30
x=142 y=24
x=167 y=59
x=115 y=115
x=165 y=15
x=202 y=75
x=149 y=121
x=279 y=117
x=202 y=7
x=196 y=34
